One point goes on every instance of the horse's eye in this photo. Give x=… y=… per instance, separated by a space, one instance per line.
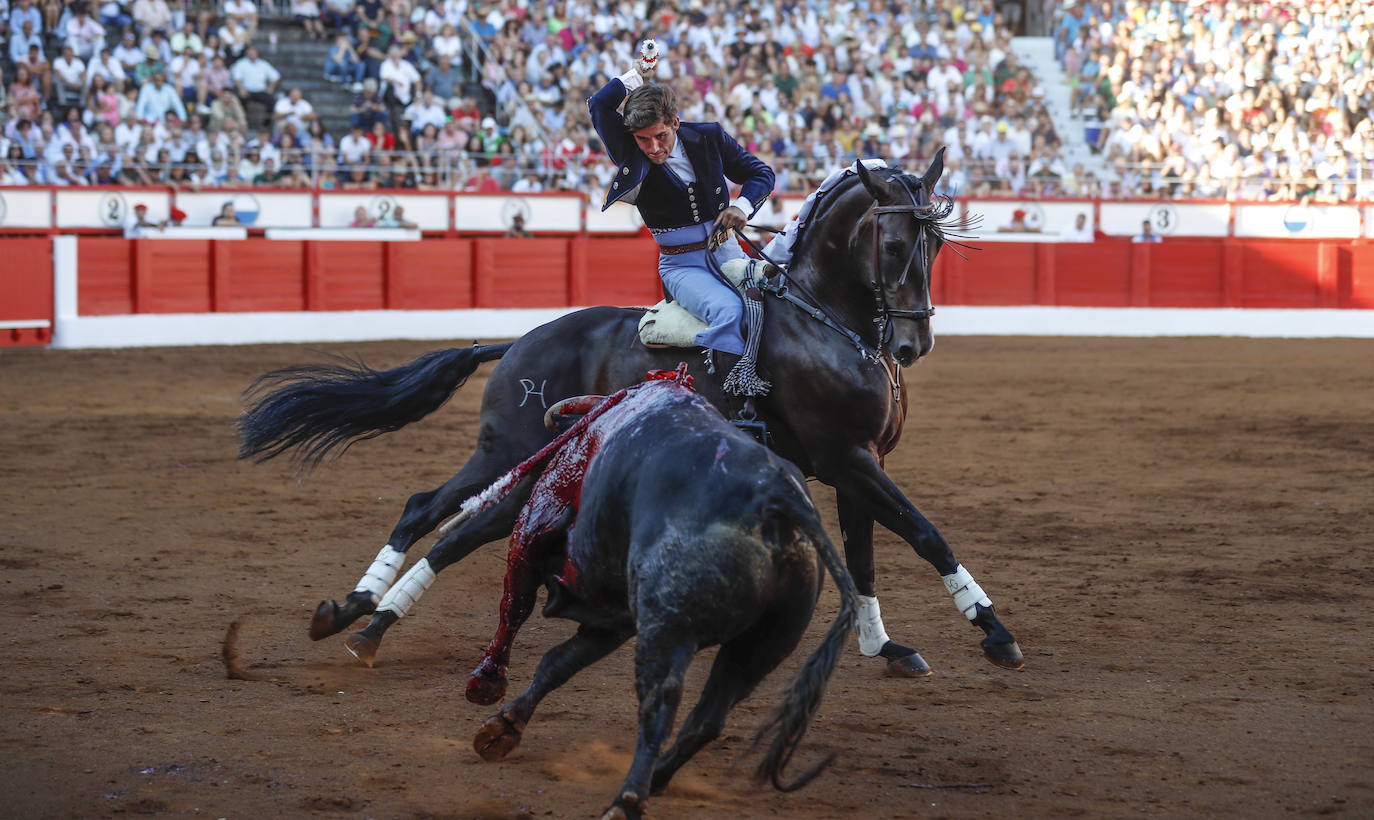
x=893 y=248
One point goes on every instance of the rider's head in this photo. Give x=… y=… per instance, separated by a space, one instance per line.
x=651 y=116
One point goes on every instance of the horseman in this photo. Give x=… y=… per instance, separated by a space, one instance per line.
x=676 y=174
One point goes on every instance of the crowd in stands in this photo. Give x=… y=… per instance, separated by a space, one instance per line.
x=1183 y=99
x=1246 y=100
x=162 y=92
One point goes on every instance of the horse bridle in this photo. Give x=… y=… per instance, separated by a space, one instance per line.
x=885 y=312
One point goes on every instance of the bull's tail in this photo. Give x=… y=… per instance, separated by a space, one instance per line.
x=790 y=719
x=313 y=409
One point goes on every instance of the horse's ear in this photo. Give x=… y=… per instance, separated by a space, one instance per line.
x=934 y=172
x=876 y=186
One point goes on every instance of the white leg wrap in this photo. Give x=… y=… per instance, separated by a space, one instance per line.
x=967 y=594
x=872 y=636
x=377 y=580
x=402 y=597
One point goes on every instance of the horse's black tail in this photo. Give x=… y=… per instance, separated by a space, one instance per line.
x=790 y=719
x=314 y=409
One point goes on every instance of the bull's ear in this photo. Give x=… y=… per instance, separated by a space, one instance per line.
x=934 y=172
x=877 y=186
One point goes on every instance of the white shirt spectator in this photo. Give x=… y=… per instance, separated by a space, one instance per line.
x=184 y=71
x=353 y=149
x=105 y=66
x=128 y=54
x=71 y=72
x=401 y=76
x=84 y=35
x=152 y=14
x=293 y=112
x=421 y=114
x=127 y=134
x=246 y=9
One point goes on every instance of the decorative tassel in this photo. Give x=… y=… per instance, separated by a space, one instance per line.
x=744 y=379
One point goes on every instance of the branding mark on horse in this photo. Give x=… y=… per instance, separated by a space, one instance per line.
x=530 y=391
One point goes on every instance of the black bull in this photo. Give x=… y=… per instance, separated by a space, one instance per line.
x=687 y=534
x=837 y=406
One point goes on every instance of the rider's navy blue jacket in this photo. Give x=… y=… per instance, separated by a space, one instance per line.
x=664 y=201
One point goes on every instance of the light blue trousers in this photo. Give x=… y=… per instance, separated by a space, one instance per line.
x=703 y=293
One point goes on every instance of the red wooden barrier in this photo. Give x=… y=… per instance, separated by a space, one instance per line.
x=26 y=292
x=118 y=276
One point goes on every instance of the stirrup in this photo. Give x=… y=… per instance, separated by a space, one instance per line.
x=747 y=419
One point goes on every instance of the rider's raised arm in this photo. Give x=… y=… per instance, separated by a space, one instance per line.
x=604 y=105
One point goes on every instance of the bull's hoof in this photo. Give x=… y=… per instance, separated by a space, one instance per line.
x=497 y=738
x=363 y=647
x=903 y=661
x=485 y=687
x=627 y=806
x=1005 y=655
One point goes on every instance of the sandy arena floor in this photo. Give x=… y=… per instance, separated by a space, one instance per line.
x=1180 y=533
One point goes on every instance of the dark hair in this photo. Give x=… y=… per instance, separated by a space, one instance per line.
x=649 y=104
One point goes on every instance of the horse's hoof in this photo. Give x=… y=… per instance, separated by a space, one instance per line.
x=497 y=738
x=627 y=806
x=325 y=621
x=910 y=666
x=1005 y=655
x=363 y=647
x=484 y=689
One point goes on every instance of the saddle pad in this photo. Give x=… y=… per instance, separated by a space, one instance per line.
x=668 y=324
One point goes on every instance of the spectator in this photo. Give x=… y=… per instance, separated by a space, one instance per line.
x=157 y=98
x=354 y=148
x=187 y=37
x=227 y=217
x=268 y=175
x=128 y=54
x=343 y=64
x=443 y=79
x=150 y=15
x=425 y=111
x=255 y=81
x=84 y=34
x=398 y=78
x=293 y=109
x=227 y=111
x=246 y=12
x=1147 y=233
x=37 y=71
x=107 y=68
x=69 y=73
x=367 y=107
x=340 y=14
x=307 y=13
x=23 y=39
x=1017 y=224
x=517 y=228
x=138 y=224
x=1081 y=231
x=151 y=64
x=361 y=219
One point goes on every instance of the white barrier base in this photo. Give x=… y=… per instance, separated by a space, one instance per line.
x=173 y=330
x=170 y=330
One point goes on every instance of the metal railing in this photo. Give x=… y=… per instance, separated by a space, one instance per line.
x=457 y=170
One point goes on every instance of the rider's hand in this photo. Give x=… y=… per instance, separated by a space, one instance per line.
x=730 y=219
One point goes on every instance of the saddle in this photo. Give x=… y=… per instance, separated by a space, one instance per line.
x=668 y=324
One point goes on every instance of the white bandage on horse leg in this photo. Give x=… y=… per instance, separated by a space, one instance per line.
x=400 y=598
x=872 y=636
x=967 y=594
x=377 y=580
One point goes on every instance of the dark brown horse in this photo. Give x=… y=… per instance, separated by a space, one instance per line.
x=853 y=309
